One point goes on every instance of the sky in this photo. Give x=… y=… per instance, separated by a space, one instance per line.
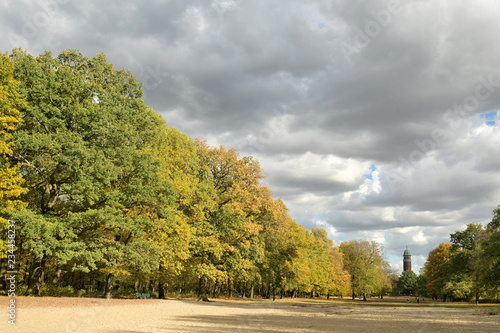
x=371 y=119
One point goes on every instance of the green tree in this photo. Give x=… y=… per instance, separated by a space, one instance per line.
x=495 y=222
x=180 y=236
x=464 y=240
x=459 y=287
x=365 y=263
x=280 y=247
x=329 y=273
x=488 y=262
x=228 y=244
x=463 y=280
x=407 y=282
x=94 y=187
x=422 y=283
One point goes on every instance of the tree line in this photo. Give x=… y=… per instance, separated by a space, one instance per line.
x=465 y=269
x=107 y=198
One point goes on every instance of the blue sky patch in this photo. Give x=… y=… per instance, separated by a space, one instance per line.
x=489 y=117
x=369 y=175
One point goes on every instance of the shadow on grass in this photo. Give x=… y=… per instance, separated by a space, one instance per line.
x=335 y=321
x=332 y=316
x=323 y=303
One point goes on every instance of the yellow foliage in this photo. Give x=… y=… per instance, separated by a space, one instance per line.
x=10 y=179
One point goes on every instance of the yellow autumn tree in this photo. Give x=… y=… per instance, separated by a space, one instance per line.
x=365 y=263
x=227 y=246
x=436 y=269
x=10 y=179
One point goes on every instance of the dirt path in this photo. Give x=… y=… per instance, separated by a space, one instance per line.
x=137 y=316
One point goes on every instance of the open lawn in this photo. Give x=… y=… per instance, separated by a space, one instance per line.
x=300 y=315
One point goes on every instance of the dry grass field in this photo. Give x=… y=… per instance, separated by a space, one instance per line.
x=303 y=315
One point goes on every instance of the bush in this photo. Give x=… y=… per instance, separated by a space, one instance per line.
x=57 y=291
x=21 y=290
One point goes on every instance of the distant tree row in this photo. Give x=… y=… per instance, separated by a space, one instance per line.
x=467 y=268
x=107 y=198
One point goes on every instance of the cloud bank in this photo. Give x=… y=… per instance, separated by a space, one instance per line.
x=374 y=120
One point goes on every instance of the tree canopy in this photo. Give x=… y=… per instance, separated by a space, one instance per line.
x=115 y=198
x=468 y=267
x=365 y=263
x=11 y=181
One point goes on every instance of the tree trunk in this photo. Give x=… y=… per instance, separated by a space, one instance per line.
x=161 y=290
x=216 y=289
x=364 y=296
x=39 y=274
x=229 y=288
x=28 y=278
x=353 y=296
x=251 y=291
x=58 y=276
x=108 y=290
x=202 y=294
x=3 y=273
x=151 y=286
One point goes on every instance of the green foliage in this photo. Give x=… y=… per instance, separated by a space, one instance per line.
x=366 y=264
x=495 y=222
x=459 y=287
x=422 y=283
x=464 y=240
x=83 y=146
x=57 y=291
x=489 y=261
x=469 y=267
x=407 y=283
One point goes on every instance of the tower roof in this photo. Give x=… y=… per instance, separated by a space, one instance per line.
x=407 y=252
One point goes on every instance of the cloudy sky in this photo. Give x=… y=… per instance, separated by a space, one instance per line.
x=371 y=119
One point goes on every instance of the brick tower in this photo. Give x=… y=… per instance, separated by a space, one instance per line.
x=407 y=260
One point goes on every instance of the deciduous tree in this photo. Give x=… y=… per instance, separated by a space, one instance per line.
x=407 y=282
x=83 y=145
x=437 y=268
x=10 y=179
x=365 y=263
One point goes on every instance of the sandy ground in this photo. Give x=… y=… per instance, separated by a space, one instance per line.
x=137 y=316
